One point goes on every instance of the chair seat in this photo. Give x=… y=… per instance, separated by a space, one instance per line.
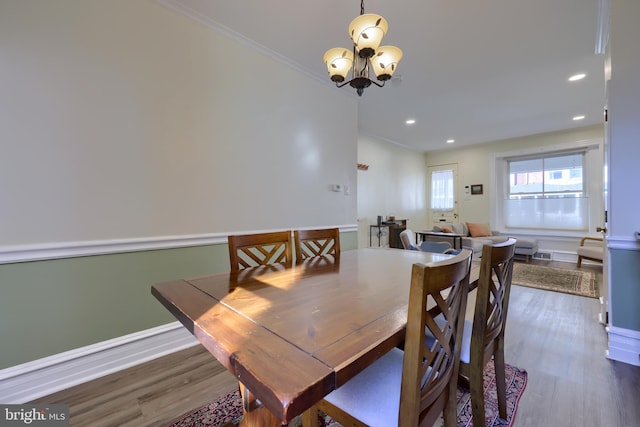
x=465 y=348
x=591 y=251
x=382 y=381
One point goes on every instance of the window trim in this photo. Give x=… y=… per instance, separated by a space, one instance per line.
x=592 y=179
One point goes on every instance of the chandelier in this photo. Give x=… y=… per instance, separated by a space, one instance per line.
x=366 y=32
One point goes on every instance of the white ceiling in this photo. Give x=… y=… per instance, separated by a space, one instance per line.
x=474 y=71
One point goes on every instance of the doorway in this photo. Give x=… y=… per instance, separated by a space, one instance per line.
x=443 y=198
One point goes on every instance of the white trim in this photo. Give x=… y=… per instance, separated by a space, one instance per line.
x=38 y=252
x=46 y=251
x=602 y=33
x=623 y=242
x=498 y=172
x=564 y=256
x=32 y=380
x=624 y=345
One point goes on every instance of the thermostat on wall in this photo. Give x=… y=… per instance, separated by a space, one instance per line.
x=336 y=187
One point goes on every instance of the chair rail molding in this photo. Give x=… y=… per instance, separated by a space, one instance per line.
x=46 y=251
x=623 y=242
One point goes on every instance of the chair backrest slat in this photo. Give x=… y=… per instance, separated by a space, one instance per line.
x=251 y=250
x=312 y=243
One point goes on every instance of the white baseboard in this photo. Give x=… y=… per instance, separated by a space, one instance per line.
x=564 y=256
x=624 y=345
x=32 y=380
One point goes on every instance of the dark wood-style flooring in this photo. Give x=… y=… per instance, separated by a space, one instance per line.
x=555 y=337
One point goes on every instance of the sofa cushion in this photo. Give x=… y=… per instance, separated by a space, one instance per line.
x=479 y=230
x=525 y=243
x=460 y=228
x=591 y=252
x=475 y=244
x=496 y=238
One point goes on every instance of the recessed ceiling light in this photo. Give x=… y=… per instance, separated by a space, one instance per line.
x=578 y=118
x=450 y=141
x=410 y=121
x=577 y=77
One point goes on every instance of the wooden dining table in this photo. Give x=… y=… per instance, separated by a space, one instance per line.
x=291 y=335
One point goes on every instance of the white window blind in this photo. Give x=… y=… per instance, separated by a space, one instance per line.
x=442 y=190
x=547 y=192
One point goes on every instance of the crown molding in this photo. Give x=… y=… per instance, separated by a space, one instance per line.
x=179 y=7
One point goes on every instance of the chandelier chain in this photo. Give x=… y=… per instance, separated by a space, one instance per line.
x=361 y=7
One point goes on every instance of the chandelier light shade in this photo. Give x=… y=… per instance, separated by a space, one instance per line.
x=385 y=61
x=366 y=32
x=339 y=61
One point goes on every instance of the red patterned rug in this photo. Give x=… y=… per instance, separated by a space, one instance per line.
x=229 y=409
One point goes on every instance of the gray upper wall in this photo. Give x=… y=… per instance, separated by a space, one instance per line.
x=129 y=120
x=118 y=121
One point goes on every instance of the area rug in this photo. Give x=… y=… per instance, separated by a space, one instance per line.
x=228 y=408
x=583 y=283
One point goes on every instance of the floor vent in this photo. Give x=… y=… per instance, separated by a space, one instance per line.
x=542 y=255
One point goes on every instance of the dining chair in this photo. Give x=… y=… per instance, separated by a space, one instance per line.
x=312 y=243
x=407 y=237
x=437 y=247
x=411 y=387
x=483 y=337
x=251 y=250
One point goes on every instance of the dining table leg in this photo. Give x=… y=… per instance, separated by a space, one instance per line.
x=310 y=417
x=253 y=413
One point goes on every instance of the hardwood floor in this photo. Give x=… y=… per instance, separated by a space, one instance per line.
x=555 y=337
x=151 y=394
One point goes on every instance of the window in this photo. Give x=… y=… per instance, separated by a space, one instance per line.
x=547 y=191
x=442 y=190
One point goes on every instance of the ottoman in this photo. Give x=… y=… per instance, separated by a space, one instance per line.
x=526 y=247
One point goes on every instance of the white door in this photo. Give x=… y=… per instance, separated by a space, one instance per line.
x=604 y=287
x=443 y=198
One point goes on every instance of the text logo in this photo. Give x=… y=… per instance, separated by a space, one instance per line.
x=34 y=415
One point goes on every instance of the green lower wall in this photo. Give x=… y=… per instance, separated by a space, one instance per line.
x=625 y=292
x=48 y=307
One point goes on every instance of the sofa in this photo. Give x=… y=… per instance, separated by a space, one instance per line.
x=475 y=236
